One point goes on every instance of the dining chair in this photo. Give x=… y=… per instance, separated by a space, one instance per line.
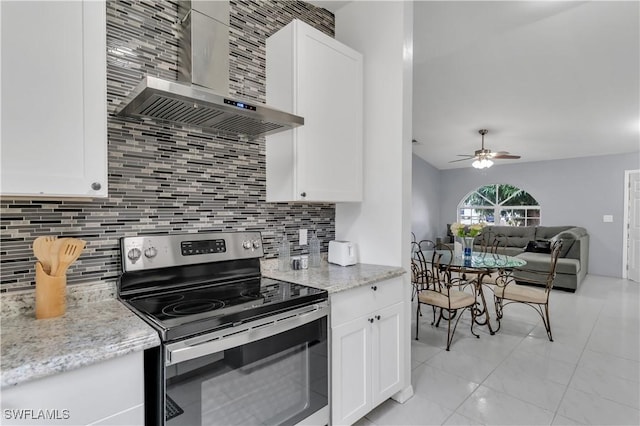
x=421 y=273
x=492 y=244
x=437 y=290
x=416 y=270
x=510 y=290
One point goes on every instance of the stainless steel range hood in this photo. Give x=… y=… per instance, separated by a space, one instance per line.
x=200 y=98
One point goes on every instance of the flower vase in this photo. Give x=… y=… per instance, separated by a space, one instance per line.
x=467 y=248
x=458 y=247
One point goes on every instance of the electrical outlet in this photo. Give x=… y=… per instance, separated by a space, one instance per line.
x=607 y=218
x=303 y=237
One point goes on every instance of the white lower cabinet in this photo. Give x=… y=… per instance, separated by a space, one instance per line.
x=367 y=352
x=106 y=393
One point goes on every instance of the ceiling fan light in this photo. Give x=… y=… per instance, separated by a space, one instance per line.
x=483 y=163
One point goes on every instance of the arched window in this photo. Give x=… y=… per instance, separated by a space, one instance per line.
x=499 y=204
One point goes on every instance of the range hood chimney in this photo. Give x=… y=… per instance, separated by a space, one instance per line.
x=200 y=97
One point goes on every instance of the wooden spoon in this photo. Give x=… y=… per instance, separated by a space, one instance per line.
x=69 y=253
x=54 y=254
x=42 y=251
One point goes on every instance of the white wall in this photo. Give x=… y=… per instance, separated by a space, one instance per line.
x=376 y=30
x=381 y=224
x=425 y=203
x=576 y=191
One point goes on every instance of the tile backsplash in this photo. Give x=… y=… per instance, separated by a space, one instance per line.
x=165 y=178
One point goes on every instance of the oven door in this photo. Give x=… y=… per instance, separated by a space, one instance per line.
x=272 y=371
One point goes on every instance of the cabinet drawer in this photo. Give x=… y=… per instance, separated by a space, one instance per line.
x=360 y=301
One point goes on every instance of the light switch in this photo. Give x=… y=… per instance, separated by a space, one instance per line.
x=303 y=237
x=607 y=218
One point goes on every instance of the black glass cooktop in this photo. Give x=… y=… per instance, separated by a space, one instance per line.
x=182 y=313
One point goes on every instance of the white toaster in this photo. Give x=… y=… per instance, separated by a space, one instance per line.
x=342 y=253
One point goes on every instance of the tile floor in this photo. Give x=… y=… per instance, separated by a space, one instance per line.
x=590 y=374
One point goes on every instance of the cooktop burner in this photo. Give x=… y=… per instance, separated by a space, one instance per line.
x=182 y=308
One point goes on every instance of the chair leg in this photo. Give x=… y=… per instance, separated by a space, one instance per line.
x=498 y=304
x=417 y=321
x=473 y=321
x=547 y=322
x=449 y=334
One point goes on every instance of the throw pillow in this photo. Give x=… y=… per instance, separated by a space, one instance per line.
x=539 y=246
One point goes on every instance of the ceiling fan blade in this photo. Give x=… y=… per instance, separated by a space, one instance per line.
x=462 y=159
x=506 y=156
x=465 y=155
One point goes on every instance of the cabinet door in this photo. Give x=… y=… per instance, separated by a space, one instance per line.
x=329 y=94
x=351 y=371
x=54 y=132
x=313 y=75
x=388 y=352
x=113 y=389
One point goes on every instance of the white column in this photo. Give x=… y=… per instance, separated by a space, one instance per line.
x=381 y=225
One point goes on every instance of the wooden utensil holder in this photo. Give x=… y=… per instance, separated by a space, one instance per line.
x=51 y=294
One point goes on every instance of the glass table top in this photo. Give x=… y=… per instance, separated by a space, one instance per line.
x=480 y=260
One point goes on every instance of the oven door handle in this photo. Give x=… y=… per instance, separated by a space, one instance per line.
x=242 y=334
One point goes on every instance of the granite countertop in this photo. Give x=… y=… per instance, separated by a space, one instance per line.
x=333 y=278
x=97 y=327
x=93 y=329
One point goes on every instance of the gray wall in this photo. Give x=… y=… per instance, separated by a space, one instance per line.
x=575 y=191
x=425 y=201
x=164 y=178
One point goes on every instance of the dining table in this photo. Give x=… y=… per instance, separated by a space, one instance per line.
x=473 y=270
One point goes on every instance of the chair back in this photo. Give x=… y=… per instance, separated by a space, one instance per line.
x=556 y=246
x=491 y=243
x=437 y=259
x=420 y=275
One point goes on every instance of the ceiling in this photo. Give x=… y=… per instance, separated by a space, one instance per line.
x=548 y=79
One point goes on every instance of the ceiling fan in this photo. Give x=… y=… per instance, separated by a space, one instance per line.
x=484 y=156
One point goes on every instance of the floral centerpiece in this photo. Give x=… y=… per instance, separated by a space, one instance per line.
x=466 y=233
x=461 y=230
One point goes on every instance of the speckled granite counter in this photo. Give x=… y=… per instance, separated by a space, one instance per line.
x=333 y=278
x=95 y=328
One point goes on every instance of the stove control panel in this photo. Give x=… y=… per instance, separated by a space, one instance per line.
x=161 y=251
x=189 y=248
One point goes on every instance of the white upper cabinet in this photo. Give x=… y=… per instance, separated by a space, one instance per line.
x=312 y=75
x=54 y=109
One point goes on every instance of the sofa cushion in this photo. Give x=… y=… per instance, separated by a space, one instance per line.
x=568 y=238
x=517 y=236
x=547 y=232
x=510 y=251
x=542 y=262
